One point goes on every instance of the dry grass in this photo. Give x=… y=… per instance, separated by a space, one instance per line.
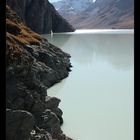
x=28 y=37
x=18 y=35
x=13 y=49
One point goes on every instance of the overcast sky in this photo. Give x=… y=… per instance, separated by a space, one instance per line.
x=60 y=0
x=53 y=0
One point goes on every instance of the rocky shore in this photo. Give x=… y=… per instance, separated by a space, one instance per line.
x=32 y=66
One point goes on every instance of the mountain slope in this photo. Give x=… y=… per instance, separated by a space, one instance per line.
x=40 y=16
x=71 y=7
x=103 y=14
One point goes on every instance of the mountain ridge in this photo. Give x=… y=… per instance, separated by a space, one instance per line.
x=102 y=14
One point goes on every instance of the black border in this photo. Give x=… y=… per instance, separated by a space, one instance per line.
x=3 y=66
x=136 y=61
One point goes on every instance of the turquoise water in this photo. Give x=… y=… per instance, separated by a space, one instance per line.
x=97 y=98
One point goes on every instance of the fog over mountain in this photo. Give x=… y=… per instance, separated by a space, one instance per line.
x=101 y=14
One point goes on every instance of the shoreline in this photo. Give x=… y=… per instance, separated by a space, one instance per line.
x=33 y=65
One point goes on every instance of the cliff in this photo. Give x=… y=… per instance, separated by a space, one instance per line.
x=40 y=16
x=33 y=65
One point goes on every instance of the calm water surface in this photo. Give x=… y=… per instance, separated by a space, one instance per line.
x=97 y=97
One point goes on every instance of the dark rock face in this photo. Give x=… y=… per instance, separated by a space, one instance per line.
x=19 y=124
x=47 y=119
x=33 y=65
x=40 y=16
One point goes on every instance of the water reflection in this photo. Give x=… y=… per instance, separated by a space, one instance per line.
x=115 y=49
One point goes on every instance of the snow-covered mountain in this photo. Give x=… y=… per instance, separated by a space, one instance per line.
x=97 y=13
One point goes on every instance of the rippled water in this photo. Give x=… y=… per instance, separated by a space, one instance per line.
x=97 y=98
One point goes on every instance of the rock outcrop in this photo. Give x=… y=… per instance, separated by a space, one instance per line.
x=19 y=124
x=33 y=65
x=40 y=16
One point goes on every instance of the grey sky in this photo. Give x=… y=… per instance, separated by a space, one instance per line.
x=60 y=0
x=53 y=0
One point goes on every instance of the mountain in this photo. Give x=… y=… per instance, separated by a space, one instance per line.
x=32 y=66
x=71 y=7
x=40 y=16
x=99 y=14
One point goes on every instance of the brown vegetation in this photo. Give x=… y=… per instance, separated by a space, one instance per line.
x=18 y=35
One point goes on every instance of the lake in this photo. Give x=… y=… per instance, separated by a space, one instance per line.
x=97 y=99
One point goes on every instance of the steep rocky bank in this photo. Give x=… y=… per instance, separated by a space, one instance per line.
x=40 y=16
x=33 y=65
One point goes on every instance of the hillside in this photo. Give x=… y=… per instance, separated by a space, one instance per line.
x=100 y=14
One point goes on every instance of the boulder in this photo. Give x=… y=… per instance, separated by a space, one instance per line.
x=19 y=124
